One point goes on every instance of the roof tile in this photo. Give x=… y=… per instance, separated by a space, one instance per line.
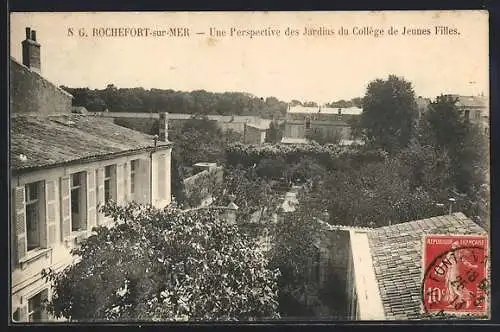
x=42 y=141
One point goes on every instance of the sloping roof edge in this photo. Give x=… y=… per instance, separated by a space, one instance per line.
x=367 y=288
x=40 y=75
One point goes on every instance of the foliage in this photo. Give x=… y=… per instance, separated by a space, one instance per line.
x=275 y=132
x=354 y=102
x=322 y=138
x=330 y=157
x=250 y=193
x=294 y=238
x=445 y=127
x=389 y=113
x=164 y=265
x=201 y=186
x=194 y=102
x=426 y=167
x=377 y=194
x=197 y=140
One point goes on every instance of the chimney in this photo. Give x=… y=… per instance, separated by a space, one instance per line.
x=31 y=51
x=163 y=124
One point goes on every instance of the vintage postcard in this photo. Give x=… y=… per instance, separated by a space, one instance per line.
x=249 y=166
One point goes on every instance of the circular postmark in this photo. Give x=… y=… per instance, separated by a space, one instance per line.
x=455 y=279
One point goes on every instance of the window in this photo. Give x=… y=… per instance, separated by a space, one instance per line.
x=109 y=183
x=467 y=114
x=134 y=166
x=78 y=201
x=308 y=122
x=32 y=193
x=36 y=312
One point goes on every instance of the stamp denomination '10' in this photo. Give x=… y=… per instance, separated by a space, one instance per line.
x=455 y=277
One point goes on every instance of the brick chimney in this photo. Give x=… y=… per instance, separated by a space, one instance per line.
x=163 y=127
x=31 y=51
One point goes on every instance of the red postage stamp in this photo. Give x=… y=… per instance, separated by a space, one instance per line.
x=456 y=279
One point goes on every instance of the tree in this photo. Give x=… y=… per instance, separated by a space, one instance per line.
x=389 y=113
x=250 y=192
x=165 y=265
x=377 y=193
x=274 y=133
x=446 y=128
x=310 y=104
x=428 y=168
x=294 y=238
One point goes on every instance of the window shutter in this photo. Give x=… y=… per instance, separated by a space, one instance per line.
x=145 y=181
x=126 y=182
x=19 y=212
x=51 y=211
x=161 y=162
x=22 y=314
x=100 y=193
x=168 y=172
x=91 y=200
x=119 y=183
x=65 y=207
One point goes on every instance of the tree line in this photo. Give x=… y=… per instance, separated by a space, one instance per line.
x=201 y=102
x=140 y=100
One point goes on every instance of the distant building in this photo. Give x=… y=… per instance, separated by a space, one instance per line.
x=301 y=121
x=255 y=133
x=475 y=109
x=63 y=165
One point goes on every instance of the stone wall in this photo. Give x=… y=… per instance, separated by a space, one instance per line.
x=335 y=275
x=30 y=92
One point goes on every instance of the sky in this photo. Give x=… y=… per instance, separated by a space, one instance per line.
x=307 y=68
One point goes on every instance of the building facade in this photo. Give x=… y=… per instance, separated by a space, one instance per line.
x=255 y=133
x=63 y=167
x=302 y=121
x=475 y=109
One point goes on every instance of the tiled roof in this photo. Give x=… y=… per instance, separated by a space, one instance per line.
x=259 y=126
x=43 y=141
x=472 y=101
x=397 y=258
